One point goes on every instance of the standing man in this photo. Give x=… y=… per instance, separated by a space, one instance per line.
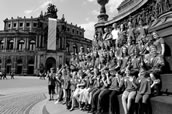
x=51 y=83
x=115 y=33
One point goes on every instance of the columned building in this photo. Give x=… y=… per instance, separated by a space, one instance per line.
x=23 y=43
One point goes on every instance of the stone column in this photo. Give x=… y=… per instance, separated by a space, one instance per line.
x=5 y=44
x=43 y=41
x=24 y=24
x=14 y=63
x=39 y=41
x=27 y=44
x=15 y=44
x=31 y=26
x=3 y=64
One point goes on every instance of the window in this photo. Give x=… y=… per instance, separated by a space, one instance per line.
x=34 y=24
x=21 y=24
x=75 y=48
x=10 y=44
x=77 y=32
x=14 y=24
x=20 y=45
x=9 y=25
x=68 y=29
x=73 y=30
x=31 y=45
x=27 y=24
x=1 y=44
x=67 y=47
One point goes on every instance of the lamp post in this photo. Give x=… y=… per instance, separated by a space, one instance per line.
x=102 y=16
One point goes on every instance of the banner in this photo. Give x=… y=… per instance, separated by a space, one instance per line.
x=52 y=24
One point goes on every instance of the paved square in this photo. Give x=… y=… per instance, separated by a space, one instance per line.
x=28 y=95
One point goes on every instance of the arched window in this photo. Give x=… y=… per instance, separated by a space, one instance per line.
x=1 y=44
x=74 y=48
x=8 y=65
x=20 y=45
x=10 y=44
x=32 y=45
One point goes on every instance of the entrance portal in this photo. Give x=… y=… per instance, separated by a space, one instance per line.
x=50 y=62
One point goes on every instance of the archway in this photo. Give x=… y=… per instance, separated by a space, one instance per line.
x=19 y=66
x=30 y=67
x=50 y=62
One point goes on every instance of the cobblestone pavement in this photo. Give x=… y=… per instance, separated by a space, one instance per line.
x=20 y=100
x=20 y=104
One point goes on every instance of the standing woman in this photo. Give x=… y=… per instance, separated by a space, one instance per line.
x=66 y=75
x=73 y=84
x=51 y=83
x=129 y=82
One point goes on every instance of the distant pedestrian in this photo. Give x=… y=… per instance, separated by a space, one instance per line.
x=12 y=75
x=51 y=83
x=1 y=75
x=4 y=75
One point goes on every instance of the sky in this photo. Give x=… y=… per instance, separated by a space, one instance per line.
x=81 y=12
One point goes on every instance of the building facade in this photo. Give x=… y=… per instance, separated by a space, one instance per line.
x=23 y=43
x=156 y=15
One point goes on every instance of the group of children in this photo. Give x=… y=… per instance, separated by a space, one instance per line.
x=127 y=67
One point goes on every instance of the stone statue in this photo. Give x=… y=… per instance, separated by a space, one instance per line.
x=166 y=5
x=159 y=7
x=52 y=10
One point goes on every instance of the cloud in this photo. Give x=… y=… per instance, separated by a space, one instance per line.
x=112 y=6
x=89 y=29
x=28 y=11
x=42 y=6
x=87 y=19
x=91 y=0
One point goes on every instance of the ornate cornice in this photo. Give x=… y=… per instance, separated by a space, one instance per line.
x=164 y=21
x=138 y=4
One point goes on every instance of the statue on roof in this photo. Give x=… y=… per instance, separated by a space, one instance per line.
x=52 y=10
